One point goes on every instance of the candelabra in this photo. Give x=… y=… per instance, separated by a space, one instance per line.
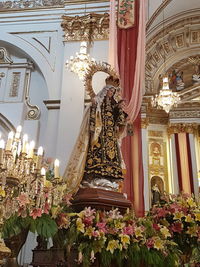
x=23 y=186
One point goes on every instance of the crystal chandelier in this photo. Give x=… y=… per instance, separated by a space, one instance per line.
x=80 y=62
x=166 y=98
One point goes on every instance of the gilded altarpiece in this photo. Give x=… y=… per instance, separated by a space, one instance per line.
x=158 y=167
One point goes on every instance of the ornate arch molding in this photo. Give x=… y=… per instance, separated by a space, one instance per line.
x=181 y=40
x=5 y=125
x=157 y=12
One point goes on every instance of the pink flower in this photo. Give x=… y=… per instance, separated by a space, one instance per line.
x=177 y=227
x=23 y=199
x=101 y=226
x=161 y=212
x=128 y=230
x=67 y=198
x=37 y=212
x=88 y=220
x=95 y=233
x=22 y=212
x=156 y=226
x=150 y=243
x=88 y=212
x=46 y=208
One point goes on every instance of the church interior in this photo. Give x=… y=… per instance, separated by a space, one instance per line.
x=44 y=45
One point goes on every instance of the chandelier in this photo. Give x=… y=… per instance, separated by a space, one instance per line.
x=80 y=62
x=166 y=98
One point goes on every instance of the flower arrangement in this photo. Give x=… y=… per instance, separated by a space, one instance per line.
x=35 y=212
x=181 y=216
x=113 y=237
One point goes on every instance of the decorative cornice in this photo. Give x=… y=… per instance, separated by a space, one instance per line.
x=72 y=7
x=30 y=4
x=183 y=114
x=88 y=27
x=52 y=104
x=182 y=128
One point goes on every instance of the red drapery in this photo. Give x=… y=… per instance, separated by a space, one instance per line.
x=184 y=163
x=132 y=145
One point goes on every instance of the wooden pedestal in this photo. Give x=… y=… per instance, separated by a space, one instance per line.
x=48 y=258
x=100 y=199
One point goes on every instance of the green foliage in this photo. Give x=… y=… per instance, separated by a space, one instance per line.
x=14 y=225
x=45 y=226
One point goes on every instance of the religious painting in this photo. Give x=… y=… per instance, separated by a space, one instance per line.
x=126 y=14
x=176 y=79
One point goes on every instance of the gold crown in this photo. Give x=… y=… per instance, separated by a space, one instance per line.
x=110 y=80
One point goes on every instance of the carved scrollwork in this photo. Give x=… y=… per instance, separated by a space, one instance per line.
x=182 y=128
x=33 y=111
x=89 y=27
x=4 y=56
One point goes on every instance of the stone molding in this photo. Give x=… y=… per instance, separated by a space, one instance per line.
x=52 y=104
x=30 y=4
x=43 y=4
x=88 y=27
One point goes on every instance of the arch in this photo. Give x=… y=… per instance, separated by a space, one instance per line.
x=159 y=181
x=37 y=57
x=5 y=125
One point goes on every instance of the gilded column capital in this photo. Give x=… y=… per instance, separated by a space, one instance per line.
x=88 y=27
x=144 y=123
x=182 y=128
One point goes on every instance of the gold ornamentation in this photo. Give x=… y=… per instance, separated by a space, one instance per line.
x=144 y=123
x=15 y=84
x=93 y=68
x=180 y=40
x=158 y=166
x=182 y=128
x=195 y=37
x=89 y=27
x=155 y=133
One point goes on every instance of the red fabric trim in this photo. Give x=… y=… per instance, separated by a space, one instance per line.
x=178 y=162
x=190 y=163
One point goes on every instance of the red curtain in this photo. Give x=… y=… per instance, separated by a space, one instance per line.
x=132 y=145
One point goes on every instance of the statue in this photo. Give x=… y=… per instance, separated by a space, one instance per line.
x=155 y=195
x=103 y=168
x=96 y=160
x=196 y=76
